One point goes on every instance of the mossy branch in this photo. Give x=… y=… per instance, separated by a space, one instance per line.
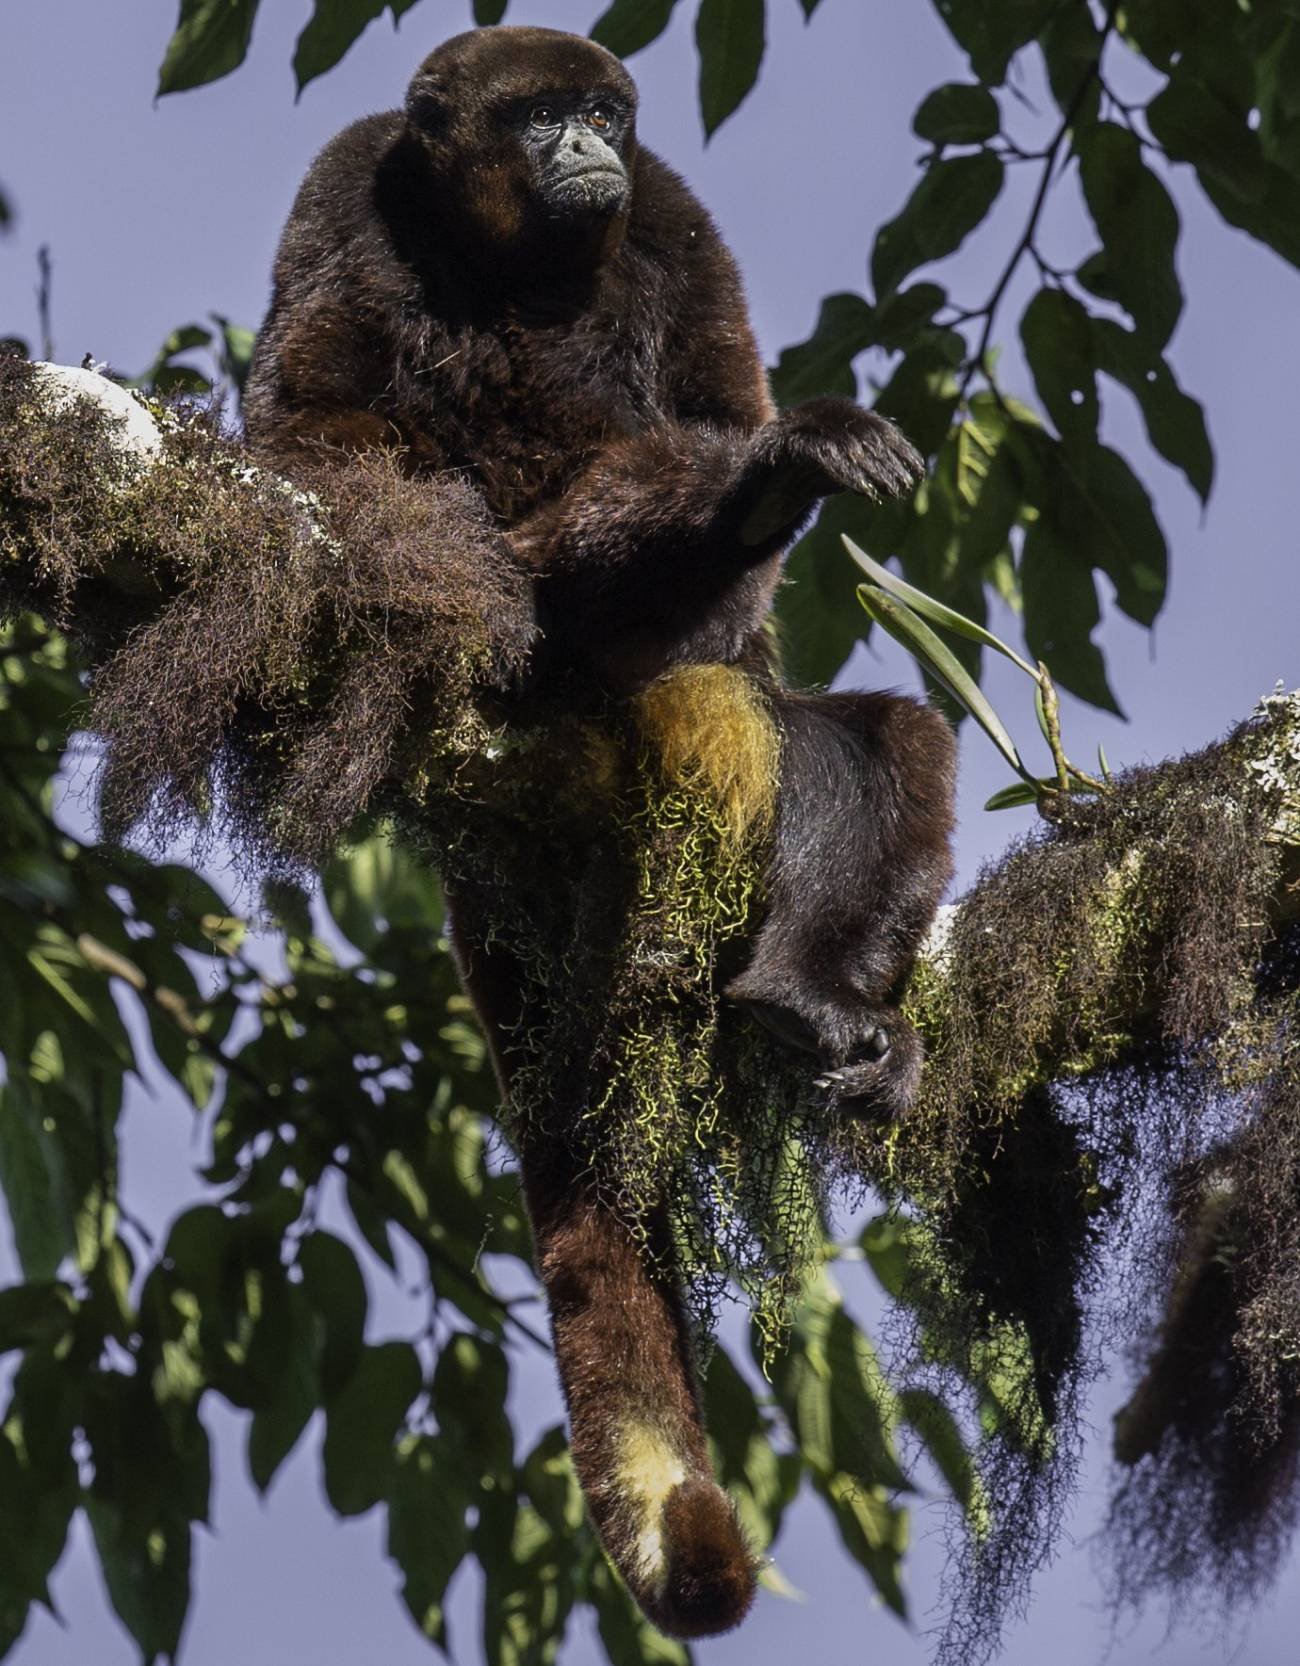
x=1110 y=1013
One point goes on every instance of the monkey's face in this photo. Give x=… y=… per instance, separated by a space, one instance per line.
x=531 y=133
x=575 y=142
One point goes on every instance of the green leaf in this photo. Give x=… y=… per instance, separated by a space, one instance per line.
x=166 y=375
x=35 y=1182
x=921 y=395
x=32 y=1314
x=1250 y=191
x=761 y=1481
x=375 y=887
x=152 y=1478
x=935 y=611
x=1072 y=46
x=992 y=31
x=551 y=1483
x=427 y=1534
x=1093 y=274
x=372 y=1224
x=939 y=1432
x=333 y=27
x=831 y=1388
x=361 y=1423
x=528 y=1588
x=236 y=356
x=730 y=36
x=1061 y=613
x=286 y=1403
x=211 y=39
x=147 y=1571
x=1193 y=124
x=957 y=114
x=824 y=363
x=818 y=619
x=486 y=12
x=469 y=1401
x=626 y=1635
x=1100 y=516
x=1058 y=343
x=38 y=1481
x=952 y=199
x=630 y=25
x=334 y=1288
x=1107 y=514
x=920 y=641
x=872 y=1530
x=1138 y=226
x=1175 y=422
x=1277 y=79
x=904 y=319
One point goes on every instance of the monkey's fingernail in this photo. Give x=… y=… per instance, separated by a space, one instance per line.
x=877 y=1044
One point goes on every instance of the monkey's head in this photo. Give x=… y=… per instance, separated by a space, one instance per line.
x=531 y=134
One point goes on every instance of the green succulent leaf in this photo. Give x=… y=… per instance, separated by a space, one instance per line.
x=917 y=637
x=937 y=612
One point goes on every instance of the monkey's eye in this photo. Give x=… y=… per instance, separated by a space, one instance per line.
x=542 y=115
x=601 y=118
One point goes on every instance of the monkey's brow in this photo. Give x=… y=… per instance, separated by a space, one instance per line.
x=526 y=94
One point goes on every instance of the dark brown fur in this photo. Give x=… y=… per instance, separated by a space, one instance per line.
x=456 y=281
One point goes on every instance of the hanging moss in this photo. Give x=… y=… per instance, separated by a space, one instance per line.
x=1099 y=1018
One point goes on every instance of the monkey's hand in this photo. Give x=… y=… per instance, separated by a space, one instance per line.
x=818 y=448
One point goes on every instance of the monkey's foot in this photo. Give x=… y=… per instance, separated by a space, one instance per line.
x=881 y=1073
x=871 y=1055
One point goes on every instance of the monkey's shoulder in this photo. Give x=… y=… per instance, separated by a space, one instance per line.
x=671 y=226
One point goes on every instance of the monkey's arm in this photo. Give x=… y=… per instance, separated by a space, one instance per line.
x=671 y=538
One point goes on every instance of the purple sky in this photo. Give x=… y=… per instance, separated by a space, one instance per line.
x=154 y=216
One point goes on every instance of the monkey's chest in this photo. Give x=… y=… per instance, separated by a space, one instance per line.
x=530 y=407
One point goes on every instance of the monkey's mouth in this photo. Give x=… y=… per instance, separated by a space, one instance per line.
x=591 y=190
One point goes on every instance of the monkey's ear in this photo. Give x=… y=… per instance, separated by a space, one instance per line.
x=426 y=105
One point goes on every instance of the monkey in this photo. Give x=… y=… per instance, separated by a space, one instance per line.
x=498 y=281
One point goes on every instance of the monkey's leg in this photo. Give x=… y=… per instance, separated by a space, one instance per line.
x=860 y=859
x=623 y=1352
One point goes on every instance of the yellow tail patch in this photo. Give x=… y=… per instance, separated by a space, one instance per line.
x=648 y=1469
x=709 y=730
